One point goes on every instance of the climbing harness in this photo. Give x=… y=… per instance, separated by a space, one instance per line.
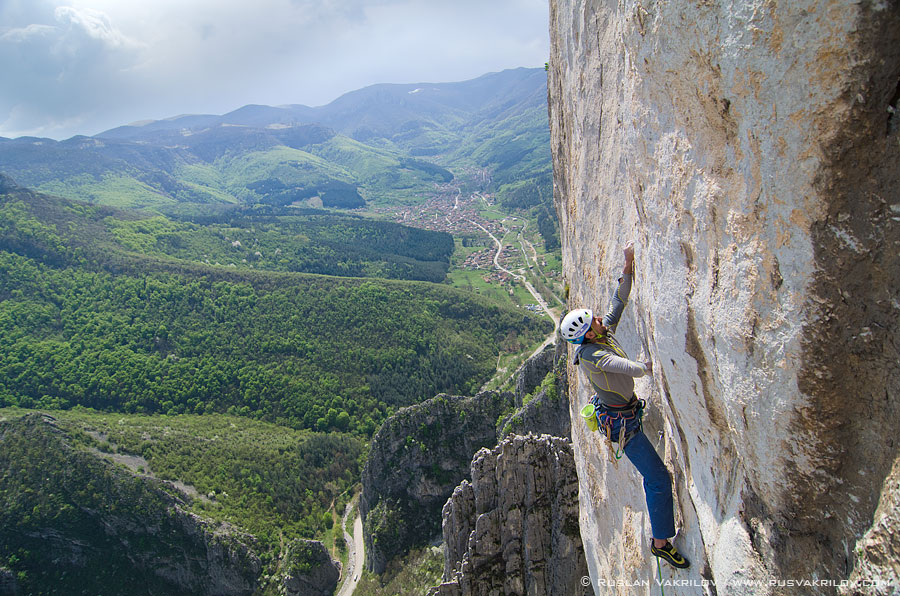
x=607 y=415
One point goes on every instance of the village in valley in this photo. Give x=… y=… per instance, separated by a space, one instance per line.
x=490 y=242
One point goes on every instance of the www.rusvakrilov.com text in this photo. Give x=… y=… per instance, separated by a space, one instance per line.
x=772 y=583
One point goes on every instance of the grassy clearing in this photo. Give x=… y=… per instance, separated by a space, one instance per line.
x=473 y=281
x=507 y=364
x=117 y=191
x=491 y=212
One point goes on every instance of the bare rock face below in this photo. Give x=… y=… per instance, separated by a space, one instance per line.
x=547 y=410
x=417 y=457
x=311 y=571
x=422 y=452
x=514 y=529
x=751 y=150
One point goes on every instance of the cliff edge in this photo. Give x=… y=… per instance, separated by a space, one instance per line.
x=751 y=151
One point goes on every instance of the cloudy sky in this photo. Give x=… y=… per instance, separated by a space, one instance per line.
x=84 y=66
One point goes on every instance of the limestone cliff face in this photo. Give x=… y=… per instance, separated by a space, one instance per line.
x=547 y=412
x=514 y=528
x=311 y=571
x=7 y=184
x=417 y=457
x=751 y=151
x=422 y=452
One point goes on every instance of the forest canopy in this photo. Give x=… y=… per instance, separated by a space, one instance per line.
x=140 y=331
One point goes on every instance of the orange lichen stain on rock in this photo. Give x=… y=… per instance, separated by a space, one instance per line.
x=783 y=237
x=755 y=186
x=800 y=219
x=775 y=40
x=781 y=147
x=833 y=57
x=633 y=555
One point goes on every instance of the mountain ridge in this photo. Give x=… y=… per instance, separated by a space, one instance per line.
x=330 y=113
x=382 y=145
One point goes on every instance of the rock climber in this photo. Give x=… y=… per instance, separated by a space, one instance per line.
x=619 y=413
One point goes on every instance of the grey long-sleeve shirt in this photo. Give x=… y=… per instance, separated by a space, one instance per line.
x=606 y=365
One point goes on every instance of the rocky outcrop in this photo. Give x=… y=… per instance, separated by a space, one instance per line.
x=533 y=371
x=76 y=520
x=417 y=457
x=215 y=559
x=876 y=567
x=7 y=184
x=514 y=528
x=542 y=397
x=750 y=150
x=310 y=570
x=422 y=453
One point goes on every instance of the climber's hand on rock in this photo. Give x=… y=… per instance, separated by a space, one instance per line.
x=629 y=252
x=648 y=366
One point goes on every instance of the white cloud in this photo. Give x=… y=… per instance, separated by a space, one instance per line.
x=26 y=33
x=107 y=62
x=95 y=24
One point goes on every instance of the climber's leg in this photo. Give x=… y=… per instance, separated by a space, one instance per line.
x=657 y=484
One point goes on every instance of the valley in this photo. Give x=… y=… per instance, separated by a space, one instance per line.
x=228 y=313
x=509 y=260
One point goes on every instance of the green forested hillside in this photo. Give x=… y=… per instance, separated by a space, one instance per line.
x=231 y=337
x=220 y=165
x=75 y=522
x=67 y=518
x=382 y=144
x=270 y=479
x=274 y=239
x=97 y=326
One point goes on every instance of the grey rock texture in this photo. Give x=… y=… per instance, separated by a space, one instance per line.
x=311 y=571
x=532 y=373
x=514 y=529
x=422 y=453
x=7 y=184
x=417 y=457
x=222 y=561
x=751 y=150
x=876 y=568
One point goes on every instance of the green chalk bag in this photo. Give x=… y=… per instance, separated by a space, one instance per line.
x=589 y=414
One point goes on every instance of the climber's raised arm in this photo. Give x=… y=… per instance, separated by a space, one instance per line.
x=620 y=295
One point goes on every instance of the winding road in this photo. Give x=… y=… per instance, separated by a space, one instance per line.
x=357 y=553
x=537 y=295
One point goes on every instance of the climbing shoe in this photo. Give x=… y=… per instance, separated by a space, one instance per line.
x=670 y=555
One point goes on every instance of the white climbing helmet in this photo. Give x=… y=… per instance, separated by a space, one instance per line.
x=575 y=324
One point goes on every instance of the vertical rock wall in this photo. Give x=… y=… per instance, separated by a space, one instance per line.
x=417 y=458
x=751 y=150
x=514 y=529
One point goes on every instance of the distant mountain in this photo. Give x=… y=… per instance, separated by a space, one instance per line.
x=383 y=144
x=383 y=111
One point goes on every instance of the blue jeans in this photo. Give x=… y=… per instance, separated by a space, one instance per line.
x=657 y=483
